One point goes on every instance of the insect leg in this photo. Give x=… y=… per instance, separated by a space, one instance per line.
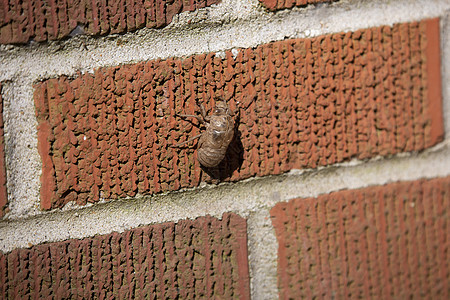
x=185 y=142
x=236 y=112
x=203 y=112
x=193 y=116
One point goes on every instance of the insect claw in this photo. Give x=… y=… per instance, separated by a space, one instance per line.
x=185 y=142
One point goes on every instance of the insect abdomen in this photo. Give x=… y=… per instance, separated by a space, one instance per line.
x=213 y=144
x=210 y=157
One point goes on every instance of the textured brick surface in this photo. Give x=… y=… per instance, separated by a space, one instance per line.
x=40 y=20
x=384 y=242
x=205 y=258
x=3 y=193
x=282 y=4
x=306 y=103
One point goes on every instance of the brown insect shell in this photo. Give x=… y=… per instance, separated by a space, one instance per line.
x=213 y=143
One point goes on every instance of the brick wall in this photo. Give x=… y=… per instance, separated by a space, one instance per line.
x=306 y=103
x=22 y=21
x=380 y=242
x=336 y=183
x=204 y=258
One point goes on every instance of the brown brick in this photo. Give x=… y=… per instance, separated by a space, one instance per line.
x=383 y=242
x=307 y=103
x=21 y=21
x=3 y=193
x=283 y=4
x=202 y=258
x=434 y=80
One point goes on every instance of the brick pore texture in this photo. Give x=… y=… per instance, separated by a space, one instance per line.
x=21 y=21
x=3 y=193
x=204 y=258
x=304 y=103
x=384 y=242
x=283 y=4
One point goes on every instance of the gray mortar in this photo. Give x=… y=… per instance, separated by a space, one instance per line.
x=244 y=198
x=251 y=199
x=262 y=258
x=445 y=63
x=228 y=25
x=23 y=163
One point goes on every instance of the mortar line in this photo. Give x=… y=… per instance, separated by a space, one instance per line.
x=252 y=27
x=242 y=198
x=262 y=255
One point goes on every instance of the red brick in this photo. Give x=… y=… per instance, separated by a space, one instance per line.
x=383 y=242
x=306 y=103
x=202 y=258
x=434 y=80
x=283 y=4
x=3 y=192
x=21 y=21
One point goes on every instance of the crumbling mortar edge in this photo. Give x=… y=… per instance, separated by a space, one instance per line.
x=257 y=18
